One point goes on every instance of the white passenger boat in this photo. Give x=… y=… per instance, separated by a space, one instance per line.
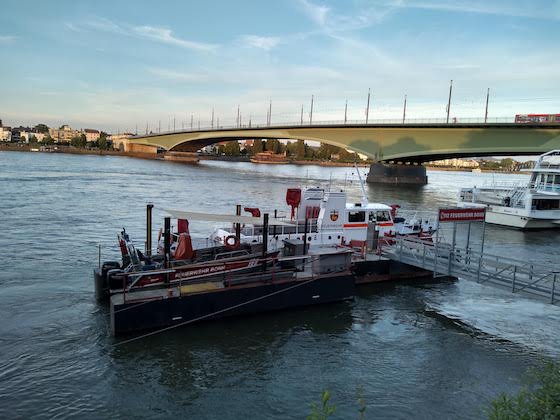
x=535 y=205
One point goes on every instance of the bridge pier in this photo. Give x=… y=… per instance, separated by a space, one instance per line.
x=397 y=174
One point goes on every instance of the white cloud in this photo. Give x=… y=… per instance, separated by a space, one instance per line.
x=503 y=8
x=316 y=13
x=263 y=42
x=105 y=25
x=166 y=36
x=177 y=76
x=7 y=39
x=330 y=21
x=153 y=33
x=72 y=27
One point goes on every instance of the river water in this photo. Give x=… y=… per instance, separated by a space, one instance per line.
x=432 y=350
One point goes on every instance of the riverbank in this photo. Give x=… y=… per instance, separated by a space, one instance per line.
x=193 y=158
x=74 y=151
x=468 y=170
x=171 y=156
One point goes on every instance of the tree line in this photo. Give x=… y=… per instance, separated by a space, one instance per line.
x=77 y=141
x=297 y=150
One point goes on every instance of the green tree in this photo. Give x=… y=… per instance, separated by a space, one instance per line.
x=274 y=146
x=47 y=140
x=291 y=148
x=79 y=141
x=232 y=148
x=309 y=152
x=41 y=128
x=33 y=139
x=325 y=151
x=300 y=150
x=102 y=141
x=323 y=411
x=540 y=399
x=257 y=146
x=507 y=163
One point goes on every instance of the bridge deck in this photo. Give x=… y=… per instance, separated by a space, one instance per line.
x=417 y=141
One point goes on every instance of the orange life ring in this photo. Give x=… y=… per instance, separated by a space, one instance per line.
x=231 y=242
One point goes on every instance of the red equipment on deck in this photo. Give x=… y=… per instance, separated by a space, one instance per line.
x=293 y=198
x=255 y=212
x=184 y=250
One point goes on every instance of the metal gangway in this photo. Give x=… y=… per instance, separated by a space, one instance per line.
x=446 y=260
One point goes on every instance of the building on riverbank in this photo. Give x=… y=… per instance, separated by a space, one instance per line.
x=63 y=134
x=5 y=133
x=91 y=134
x=455 y=163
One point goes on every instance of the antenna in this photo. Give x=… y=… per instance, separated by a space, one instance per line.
x=364 y=195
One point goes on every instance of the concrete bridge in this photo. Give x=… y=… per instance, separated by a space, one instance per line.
x=398 y=149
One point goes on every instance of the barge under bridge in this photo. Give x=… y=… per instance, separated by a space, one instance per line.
x=399 y=150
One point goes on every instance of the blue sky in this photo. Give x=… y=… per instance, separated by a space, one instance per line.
x=118 y=64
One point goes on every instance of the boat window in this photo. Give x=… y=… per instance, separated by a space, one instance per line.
x=557 y=179
x=549 y=179
x=357 y=216
x=546 y=204
x=383 y=216
x=372 y=216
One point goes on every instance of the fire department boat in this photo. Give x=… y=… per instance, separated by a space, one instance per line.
x=331 y=220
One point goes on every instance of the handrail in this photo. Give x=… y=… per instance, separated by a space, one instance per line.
x=417 y=252
x=536 y=281
x=359 y=122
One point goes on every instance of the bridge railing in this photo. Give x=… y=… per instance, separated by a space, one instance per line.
x=382 y=121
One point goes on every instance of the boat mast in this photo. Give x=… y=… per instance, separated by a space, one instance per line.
x=364 y=195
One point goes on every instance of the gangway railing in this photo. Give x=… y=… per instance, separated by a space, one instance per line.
x=444 y=260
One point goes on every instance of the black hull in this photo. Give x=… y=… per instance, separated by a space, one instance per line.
x=249 y=300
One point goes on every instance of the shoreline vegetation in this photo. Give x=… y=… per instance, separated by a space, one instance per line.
x=538 y=398
x=195 y=157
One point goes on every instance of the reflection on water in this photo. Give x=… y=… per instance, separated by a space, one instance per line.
x=439 y=349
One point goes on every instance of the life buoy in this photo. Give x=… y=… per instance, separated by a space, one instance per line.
x=231 y=242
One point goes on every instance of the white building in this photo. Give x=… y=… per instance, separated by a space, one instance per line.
x=91 y=134
x=456 y=163
x=5 y=134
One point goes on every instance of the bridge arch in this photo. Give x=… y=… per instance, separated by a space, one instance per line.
x=399 y=142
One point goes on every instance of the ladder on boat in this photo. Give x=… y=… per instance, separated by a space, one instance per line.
x=517 y=197
x=520 y=277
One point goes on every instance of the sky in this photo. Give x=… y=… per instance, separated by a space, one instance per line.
x=126 y=65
